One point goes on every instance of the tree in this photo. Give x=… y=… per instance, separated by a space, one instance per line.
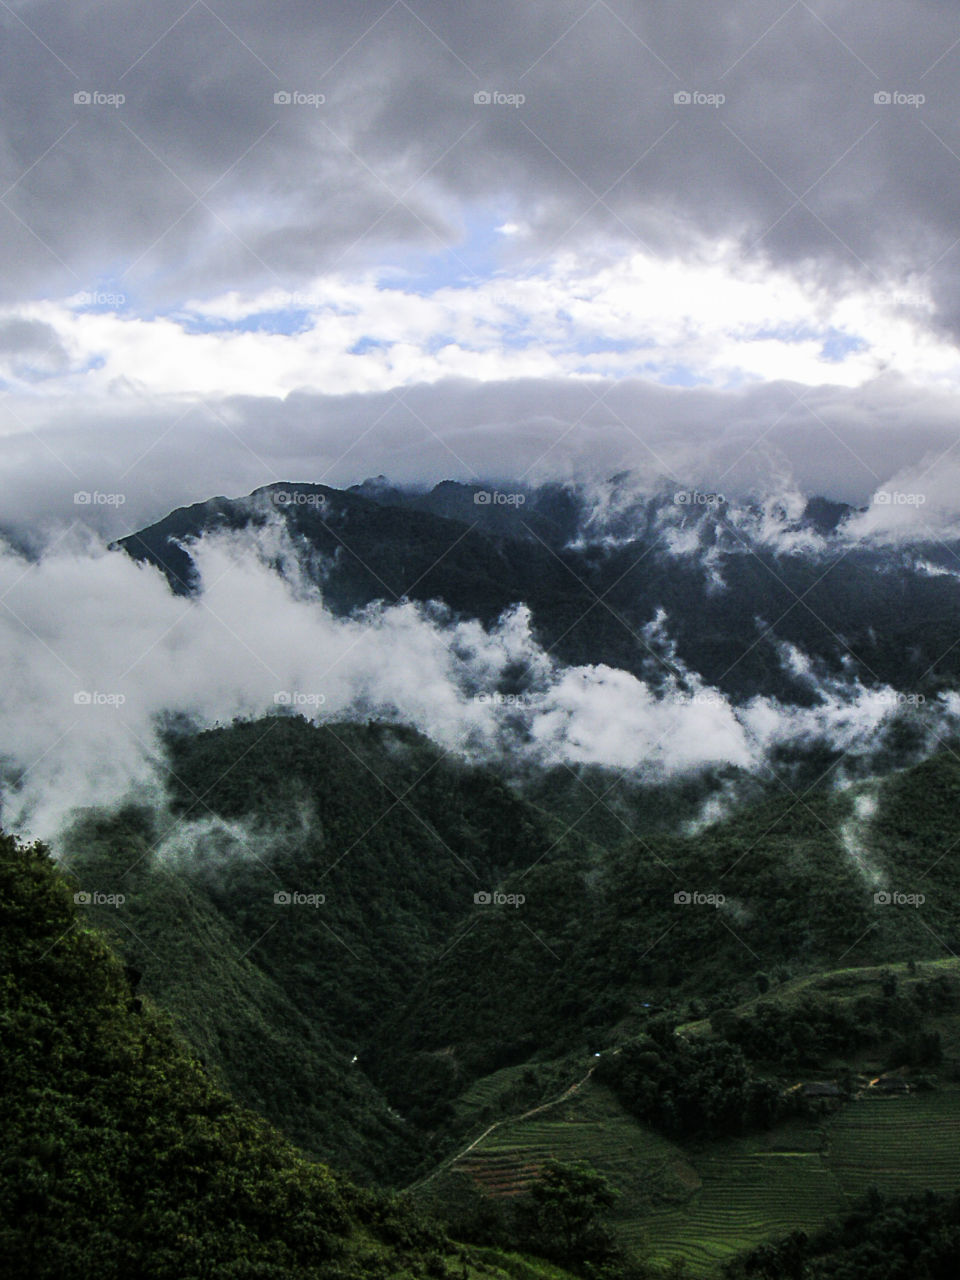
x=568 y=1203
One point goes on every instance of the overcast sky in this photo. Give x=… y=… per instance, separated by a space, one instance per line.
x=244 y=242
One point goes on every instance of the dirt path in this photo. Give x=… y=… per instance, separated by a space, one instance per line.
x=498 y=1124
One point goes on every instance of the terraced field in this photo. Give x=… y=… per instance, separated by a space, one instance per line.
x=898 y=1144
x=593 y=1126
x=485 y=1091
x=745 y=1197
x=701 y=1207
x=705 y=1203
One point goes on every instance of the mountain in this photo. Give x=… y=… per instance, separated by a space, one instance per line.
x=741 y=588
x=389 y=1026
x=432 y=989
x=286 y=1000
x=467 y=933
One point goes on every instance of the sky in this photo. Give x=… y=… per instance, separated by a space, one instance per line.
x=244 y=243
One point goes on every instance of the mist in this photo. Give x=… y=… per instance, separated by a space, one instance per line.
x=97 y=655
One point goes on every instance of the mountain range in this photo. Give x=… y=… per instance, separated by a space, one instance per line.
x=621 y=858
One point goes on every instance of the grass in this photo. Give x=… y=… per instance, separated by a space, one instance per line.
x=840 y=985
x=702 y=1206
x=485 y=1092
x=495 y=1263
x=706 y=1202
x=746 y=1196
x=900 y=1144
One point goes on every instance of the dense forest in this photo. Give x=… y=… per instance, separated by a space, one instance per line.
x=347 y=932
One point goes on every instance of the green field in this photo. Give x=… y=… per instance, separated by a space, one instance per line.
x=701 y=1206
x=744 y=1200
x=703 y=1202
x=901 y=1145
x=635 y=1159
x=485 y=1092
x=707 y=1203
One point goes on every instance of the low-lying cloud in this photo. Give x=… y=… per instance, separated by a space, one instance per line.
x=97 y=654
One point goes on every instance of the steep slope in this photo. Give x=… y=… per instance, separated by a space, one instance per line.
x=287 y=998
x=429 y=988
x=122 y=1158
x=598 y=946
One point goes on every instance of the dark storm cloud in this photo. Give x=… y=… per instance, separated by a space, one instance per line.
x=199 y=182
x=134 y=466
x=30 y=346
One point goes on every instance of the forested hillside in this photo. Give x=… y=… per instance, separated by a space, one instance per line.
x=402 y=987
x=122 y=1157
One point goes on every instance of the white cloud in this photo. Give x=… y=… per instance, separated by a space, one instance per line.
x=710 y=313
x=96 y=651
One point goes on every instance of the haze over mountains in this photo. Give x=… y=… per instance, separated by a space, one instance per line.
x=665 y=632
x=418 y=810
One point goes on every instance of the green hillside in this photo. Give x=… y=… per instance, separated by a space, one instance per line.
x=702 y=1200
x=280 y=998
x=398 y=1021
x=601 y=944
x=121 y=1157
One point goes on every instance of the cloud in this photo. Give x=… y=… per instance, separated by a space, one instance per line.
x=754 y=440
x=97 y=655
x=480 y=241
x=918 y=504
x=638 y=281
x=599 y=715
x=200 y=176
x=855 y=833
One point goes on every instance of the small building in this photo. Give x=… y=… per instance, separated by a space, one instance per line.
x=890 y=1084
x=816 y=1089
